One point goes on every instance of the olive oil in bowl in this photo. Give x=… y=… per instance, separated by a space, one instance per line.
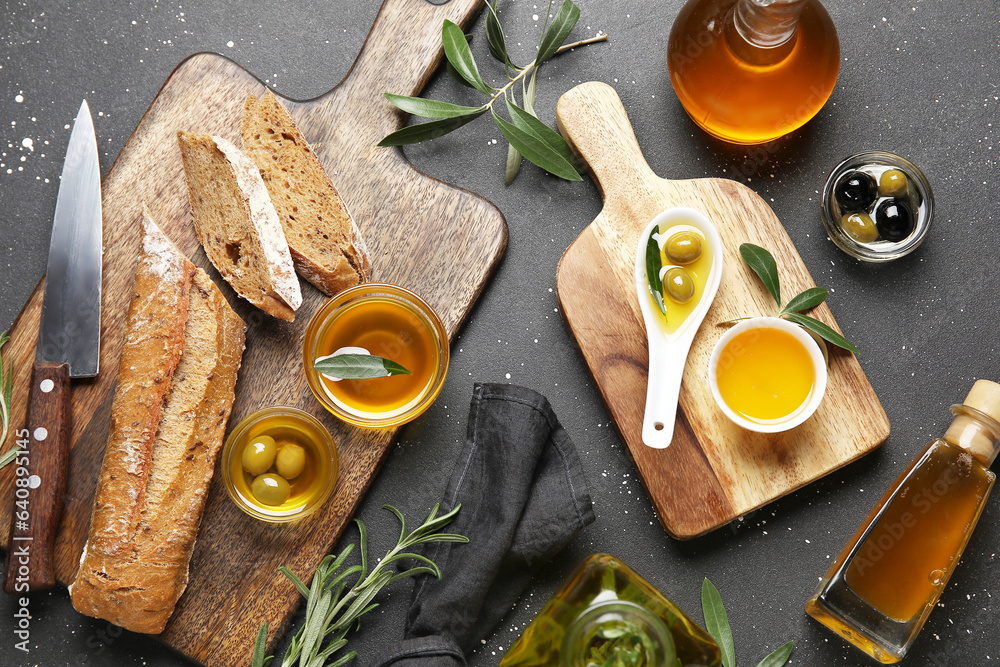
x=767 y=374
x=389 y=322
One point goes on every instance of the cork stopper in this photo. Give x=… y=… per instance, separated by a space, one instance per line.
x=980 y=437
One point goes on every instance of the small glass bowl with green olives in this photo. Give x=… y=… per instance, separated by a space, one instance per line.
x=279 y=464
x=877 y=206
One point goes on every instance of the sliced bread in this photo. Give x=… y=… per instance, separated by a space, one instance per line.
x=168 y=420
x=326 y=244
x=237 y=224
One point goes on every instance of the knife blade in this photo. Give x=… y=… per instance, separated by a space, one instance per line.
x=69 y=338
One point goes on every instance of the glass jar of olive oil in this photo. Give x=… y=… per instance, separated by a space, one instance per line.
x=605 y=613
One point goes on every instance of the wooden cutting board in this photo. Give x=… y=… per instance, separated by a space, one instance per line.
x=438 y=240
x=714 y=471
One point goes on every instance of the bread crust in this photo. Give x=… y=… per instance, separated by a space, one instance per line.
x=326 y=244
x=237 y=224
x=146 y=515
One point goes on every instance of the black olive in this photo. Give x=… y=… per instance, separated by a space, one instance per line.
x=894 y=220
x=856 y=191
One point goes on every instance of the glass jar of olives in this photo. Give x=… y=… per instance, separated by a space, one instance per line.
x=279 y=464
x=877 y=206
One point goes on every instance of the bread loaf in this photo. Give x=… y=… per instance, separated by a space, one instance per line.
x=326 y=244
x=174 y=396
x=237 y=225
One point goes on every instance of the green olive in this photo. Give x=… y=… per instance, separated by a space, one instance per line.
x=258 y=455
x=291 y=460
x=892 y=183
x=678 y=285
x=859 y=226
x=683 y=247
x=270 y=489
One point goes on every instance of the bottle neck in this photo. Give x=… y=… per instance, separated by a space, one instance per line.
x=767 y=23
x=975 y=432
x=618 y=626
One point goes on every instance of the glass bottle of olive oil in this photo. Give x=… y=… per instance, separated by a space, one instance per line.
x=604 y=608
x=886 y=581
x=749 y=71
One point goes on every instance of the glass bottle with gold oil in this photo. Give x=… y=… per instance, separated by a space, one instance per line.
x=604 y=611
x=749 y=71
x=885 y=583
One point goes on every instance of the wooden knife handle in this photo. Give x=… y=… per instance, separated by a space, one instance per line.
x=40 y=482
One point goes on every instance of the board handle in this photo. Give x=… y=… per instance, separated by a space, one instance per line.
x=403 y=47
x=593 y=121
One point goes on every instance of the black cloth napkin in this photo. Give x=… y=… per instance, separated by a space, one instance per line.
x=523 y=496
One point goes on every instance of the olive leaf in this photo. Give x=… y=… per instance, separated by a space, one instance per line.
x=513 y=156
x=454 y=72
x=534 y=146
x=495 y=38
x=717 y=622
x=458 y=53
x=358 y=367
x=822 y=330
x=653 y=266
x=414 y=134
x=562 y=25
x=763 y=264
x=778 y=657
x=529 y=123
x=419 y=106
x=810 y=298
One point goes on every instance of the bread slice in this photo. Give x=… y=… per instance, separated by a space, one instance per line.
x=161 y=453
x=326 y=244
x=237 y=224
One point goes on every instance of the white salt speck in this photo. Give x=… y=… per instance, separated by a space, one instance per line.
x=19 y=98
x=230 y=44
x=28 y=143
x=534 y=17
x=508 y=376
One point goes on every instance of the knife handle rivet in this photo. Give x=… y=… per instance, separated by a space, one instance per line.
x=41 y=434
x=34 y=482
x=46 y=386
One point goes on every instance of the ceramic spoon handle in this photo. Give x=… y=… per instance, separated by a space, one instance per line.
x=666 y=370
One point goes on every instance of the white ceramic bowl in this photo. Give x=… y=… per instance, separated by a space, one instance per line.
x=819 y=366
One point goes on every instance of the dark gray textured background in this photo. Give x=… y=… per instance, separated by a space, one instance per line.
x=918 y=78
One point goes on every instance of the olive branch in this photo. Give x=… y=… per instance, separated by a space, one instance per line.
x=526 y=134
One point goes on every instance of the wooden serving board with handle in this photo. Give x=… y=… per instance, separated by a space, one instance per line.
x=442 y=242
x=714 y=471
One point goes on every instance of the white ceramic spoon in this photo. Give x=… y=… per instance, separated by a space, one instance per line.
x=668 y=352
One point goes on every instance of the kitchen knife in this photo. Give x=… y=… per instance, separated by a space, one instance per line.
x=68 y=347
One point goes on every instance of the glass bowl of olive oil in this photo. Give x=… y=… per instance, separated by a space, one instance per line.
x=279 y=464
x=767 y=374
x=386 y=321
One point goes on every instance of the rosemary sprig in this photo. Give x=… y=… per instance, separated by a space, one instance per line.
x=763 y=264
x=6 y=398
x=527 y=135
x=717 y=624
x=333 y=608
